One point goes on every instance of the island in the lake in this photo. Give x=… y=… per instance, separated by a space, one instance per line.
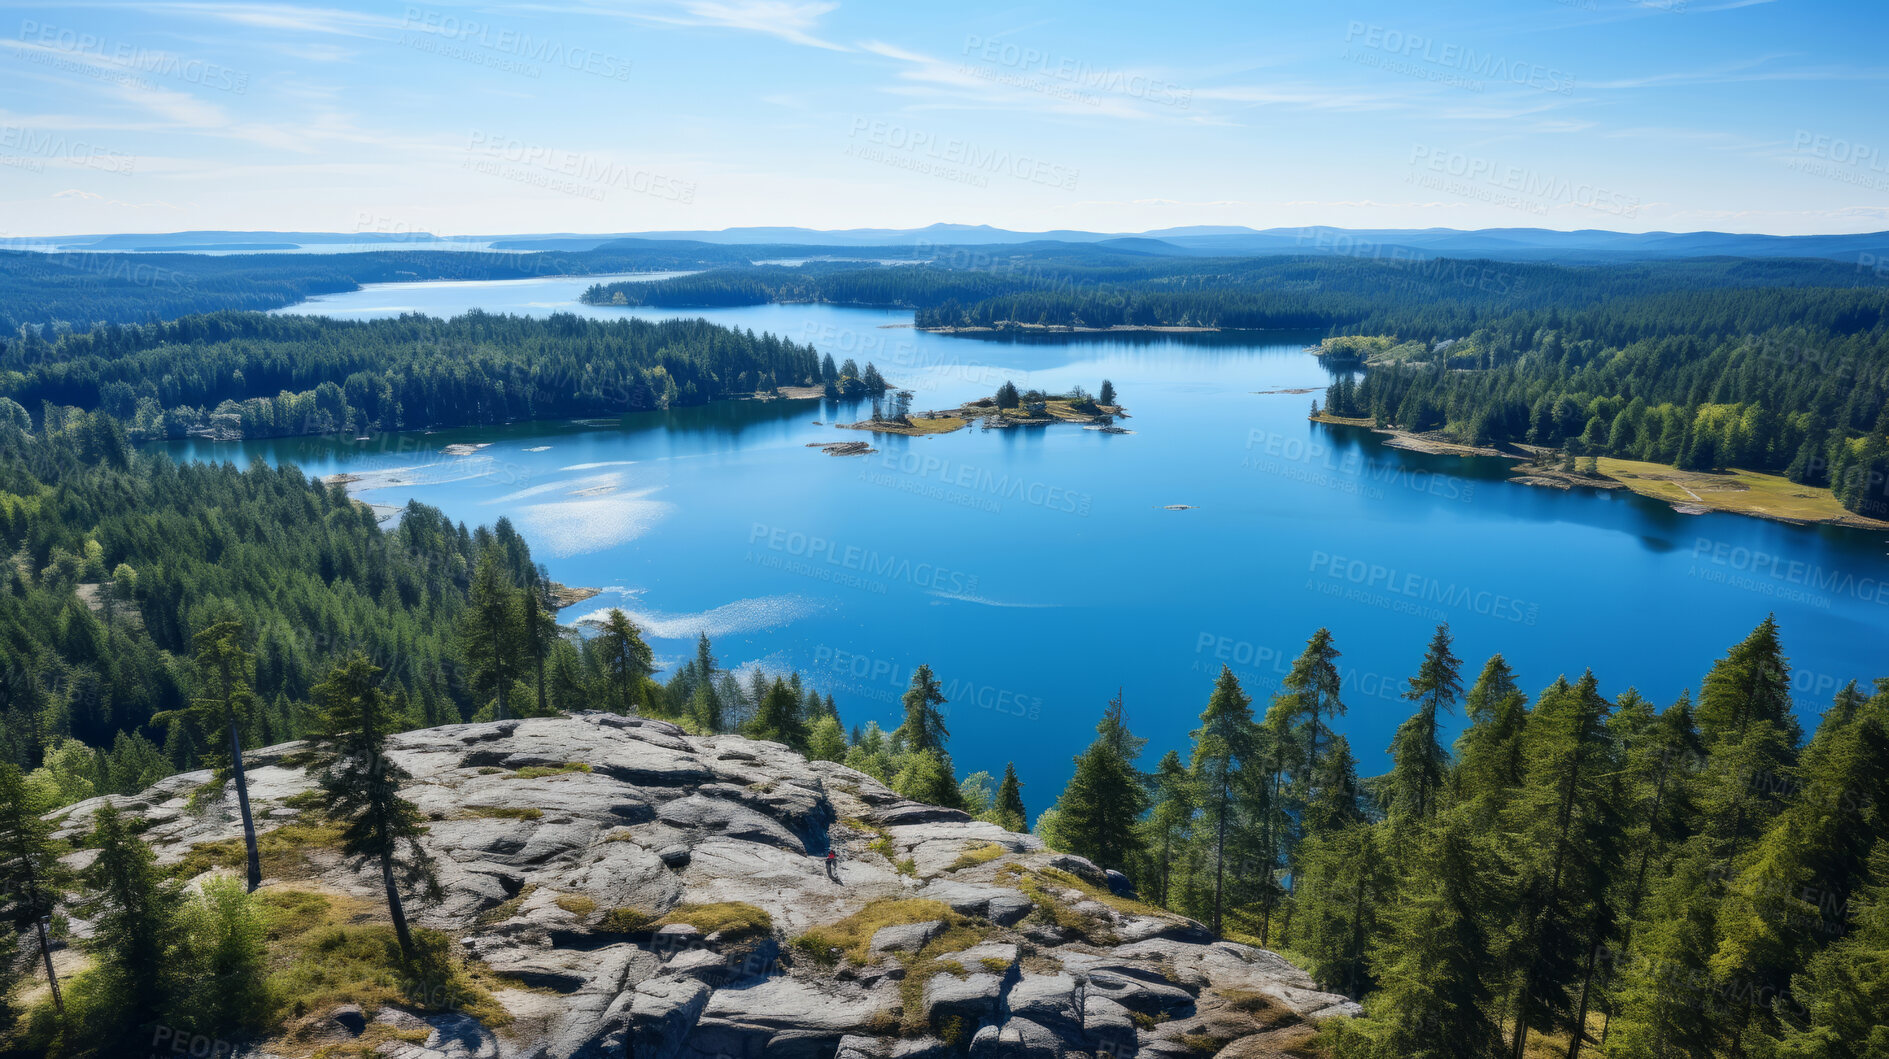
x=1007 y=409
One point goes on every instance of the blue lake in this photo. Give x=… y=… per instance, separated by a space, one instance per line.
x=1038 y=570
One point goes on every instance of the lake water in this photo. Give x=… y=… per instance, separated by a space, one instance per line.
x=1039 y=570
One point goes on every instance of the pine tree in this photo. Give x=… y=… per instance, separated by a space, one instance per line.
x=1434 y=952
x=1419 y=763
x=539 y=625
x=1489 y=752
x=135 y=933
x=1313 y=685
x=778 y=717
x=924 y=727
x=926 y=777
x=492 y=633
x=1106 y=395
x=1223 y=744
x=1345 y=884
x=627 y=661
x=1099 y=808
x=827 y=740
x=1009 y=812
x=224 y=667
x=31 y=875
x=1167 y=830
x=1278 y=756
x=1842 y=993
x=360 y=785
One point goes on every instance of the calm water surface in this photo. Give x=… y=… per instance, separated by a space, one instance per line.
x=1038 y=571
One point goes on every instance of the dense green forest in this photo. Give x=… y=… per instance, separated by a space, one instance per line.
x=255 y=375
x=1576 y=873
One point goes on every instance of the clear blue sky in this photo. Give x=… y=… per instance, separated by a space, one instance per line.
x=618 y=115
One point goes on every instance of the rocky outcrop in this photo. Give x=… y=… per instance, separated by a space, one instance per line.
x=653 y=894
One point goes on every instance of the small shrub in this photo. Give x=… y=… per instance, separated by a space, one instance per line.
x=577 y=905
x=623 y=920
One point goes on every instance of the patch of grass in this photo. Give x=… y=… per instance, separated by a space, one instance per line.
x=324 y=951
x=1202 y=1043
x=1268 y=1009
x=1744 y=492
x=995 y=965
x=538 y=772
x=732 y=919
x=282 y=851
x=504 y=812
x=623 y=920
x=505 y=910
x=577 y=905
x=983 y=854
x=852 y=937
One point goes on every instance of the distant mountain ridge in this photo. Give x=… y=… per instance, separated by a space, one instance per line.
x=1519 y=244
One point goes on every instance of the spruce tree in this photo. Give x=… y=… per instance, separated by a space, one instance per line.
x=1098 y=810
x=1313 y=685
x=492 y=634
x=1840 y=996
x=539 y=625
x=360 y=785
x=1345 y=883
x=1167 y=830
x=224 y=666
x=1489 y=752
x=1009 y=812
x=135 y=933
x=1223 y=745
x=627 y=661
x=924 y=727
x=778 y=717
x=31 y=875
x=1419 y=763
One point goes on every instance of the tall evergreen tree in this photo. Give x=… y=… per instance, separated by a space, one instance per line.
x=778 y=717
x=1098 y=810
x=1009 y=811
x=1419 y=763
x=360 y=785
x=135 y=933
x=224 y=666
x=493 y=632
x=1223 y=745
x=31 y=874
x=1167 y=830
x=1313 y=685
x=627 y=661
x=924 y=727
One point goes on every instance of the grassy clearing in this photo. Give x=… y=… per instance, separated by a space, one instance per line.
x=325 y=951
x=983 y=854
x=502 y=812
x=852 y=937
x=577 y=905
x=623 y=920
x=732 y=919
x=538 y=772
x=283 y=851
x=1740 y=492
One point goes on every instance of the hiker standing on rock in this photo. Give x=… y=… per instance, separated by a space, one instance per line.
x=832 y=865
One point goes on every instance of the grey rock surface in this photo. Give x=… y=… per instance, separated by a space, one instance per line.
x=590 y=910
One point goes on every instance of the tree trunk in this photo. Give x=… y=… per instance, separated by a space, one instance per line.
x=394 y=907
x=1219 y=858
x=242 y=802
x=1580 y=1018
x=52 y=978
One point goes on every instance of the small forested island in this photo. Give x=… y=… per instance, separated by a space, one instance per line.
x=1005 y=409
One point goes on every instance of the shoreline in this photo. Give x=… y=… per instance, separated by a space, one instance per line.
x=1704 y=492
x=986 y=413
